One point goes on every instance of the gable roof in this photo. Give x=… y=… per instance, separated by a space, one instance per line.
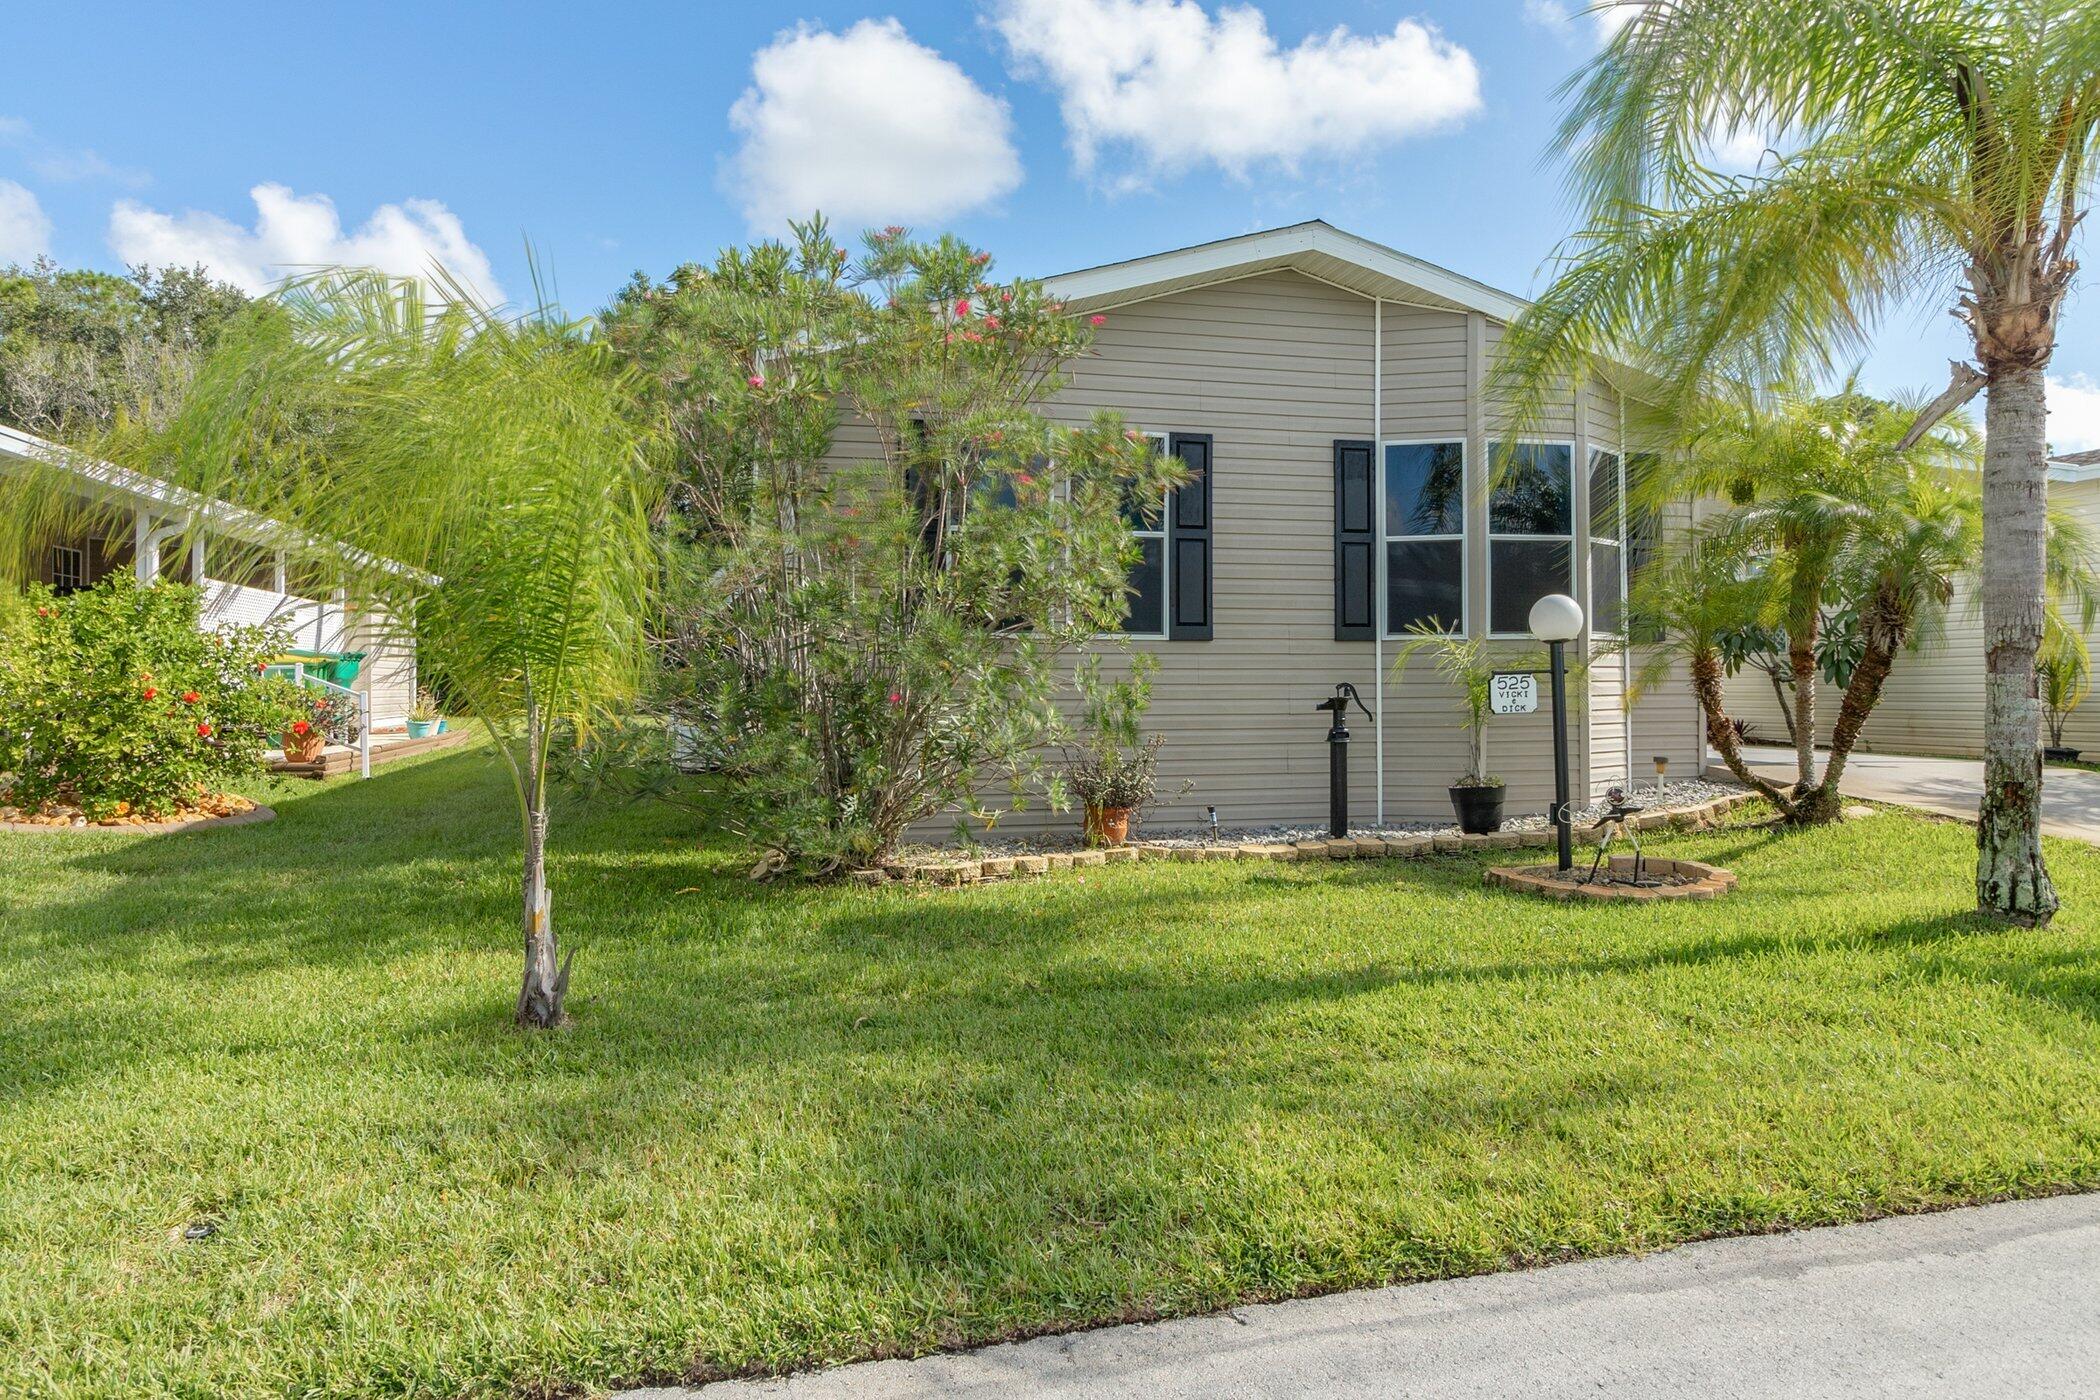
x=1315 y=248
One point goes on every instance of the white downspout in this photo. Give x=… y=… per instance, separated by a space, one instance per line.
x=1378 y=540
x=1625 y=604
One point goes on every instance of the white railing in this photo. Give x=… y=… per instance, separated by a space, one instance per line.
x=364 y=711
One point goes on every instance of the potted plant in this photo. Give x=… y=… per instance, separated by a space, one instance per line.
x=1115 y=771
x=1476 y=796
x=2064 y=678
x=302 y=741
x=424 y=717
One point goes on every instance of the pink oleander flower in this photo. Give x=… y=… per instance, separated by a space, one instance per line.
x=962 y=306
x=1097 y=321
x=757 y=381
x=896 y=697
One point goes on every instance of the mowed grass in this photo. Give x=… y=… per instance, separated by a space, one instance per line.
x=798 y=1125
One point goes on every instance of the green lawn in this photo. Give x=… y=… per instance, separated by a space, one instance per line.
x=794 y=1125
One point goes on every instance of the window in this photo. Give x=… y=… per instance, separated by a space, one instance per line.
x=1607 y=544
x=1146 y=614
x=68 y=569
x=1425 y=529
x=1530 y=531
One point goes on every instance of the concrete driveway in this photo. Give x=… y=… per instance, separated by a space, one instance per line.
x=1999 y=1300
x=1952 y=786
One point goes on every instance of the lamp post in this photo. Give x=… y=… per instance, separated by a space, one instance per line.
x=1556 y=620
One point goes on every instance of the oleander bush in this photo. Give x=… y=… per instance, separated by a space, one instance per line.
x=117 y=700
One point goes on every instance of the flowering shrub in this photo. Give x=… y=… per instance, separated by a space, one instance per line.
x=116 y=699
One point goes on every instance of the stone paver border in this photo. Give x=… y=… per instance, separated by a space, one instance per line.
x=1702 y=881
x=247 y=818
x=961 y=870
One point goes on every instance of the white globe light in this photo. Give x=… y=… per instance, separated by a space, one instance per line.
x=1556 y=618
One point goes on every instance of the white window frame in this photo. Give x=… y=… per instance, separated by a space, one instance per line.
x=1166 y=569
x=1487 y=525
x=1465 y=566
x=1589 y=573
x=76 y=557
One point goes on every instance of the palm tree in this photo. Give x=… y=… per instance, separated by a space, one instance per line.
x=1939 y=147
x=481 y=476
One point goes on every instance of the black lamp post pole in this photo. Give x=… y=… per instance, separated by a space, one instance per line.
x=1560 y=755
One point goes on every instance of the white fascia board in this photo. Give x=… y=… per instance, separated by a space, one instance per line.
x=1279 y=247
x=109 y=479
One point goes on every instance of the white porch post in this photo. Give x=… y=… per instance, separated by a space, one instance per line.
x=197 y=561
x=145 y=554
x=277 y=573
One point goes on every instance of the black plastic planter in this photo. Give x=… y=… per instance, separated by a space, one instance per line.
x=1479 y=809
x=2054 y=754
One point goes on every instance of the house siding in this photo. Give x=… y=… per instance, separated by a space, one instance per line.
x=1275 y=368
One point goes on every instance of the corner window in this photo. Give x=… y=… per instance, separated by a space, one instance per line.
x=1607 y=544
x=1530 y=530
x=1425 y=536
x=1146 y=612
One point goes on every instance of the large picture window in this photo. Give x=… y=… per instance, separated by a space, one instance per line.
x=1607 y=544
x=1531 y=531
x=1425 y=536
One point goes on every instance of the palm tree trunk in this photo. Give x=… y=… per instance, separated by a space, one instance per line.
x=1861 y=695
x=1786 y=706
x=2011 y=880
x=1801 y=659
x=1706 y=684
x=546 y=983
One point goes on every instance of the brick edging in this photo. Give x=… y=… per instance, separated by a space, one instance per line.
x=959 y=870
x=1703 y=881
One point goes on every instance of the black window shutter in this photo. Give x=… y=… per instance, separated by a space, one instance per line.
x=1189 y=550
x=1355 y=540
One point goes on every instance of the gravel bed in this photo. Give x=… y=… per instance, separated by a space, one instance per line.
x=1674 y=794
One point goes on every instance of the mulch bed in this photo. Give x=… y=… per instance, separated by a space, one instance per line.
x=216 y=809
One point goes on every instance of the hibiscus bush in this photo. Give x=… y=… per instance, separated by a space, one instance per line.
x=116 y=700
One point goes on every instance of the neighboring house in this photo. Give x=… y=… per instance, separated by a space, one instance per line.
x=1328 y=394
x=1933 y=702
x=157 y=514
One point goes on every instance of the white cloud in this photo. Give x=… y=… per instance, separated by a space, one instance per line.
x=297 y=233
x=1607 y=19
x=25 y=232
x=868 y=127
x=1175 y=86
x=2074 y=413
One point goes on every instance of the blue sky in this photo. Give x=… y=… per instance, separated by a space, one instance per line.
x=617 y=136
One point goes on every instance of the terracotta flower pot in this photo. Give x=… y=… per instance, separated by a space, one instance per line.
x=302 y=748
x=1107 y=826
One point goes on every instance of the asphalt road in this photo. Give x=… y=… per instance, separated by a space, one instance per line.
x=2000 y=1300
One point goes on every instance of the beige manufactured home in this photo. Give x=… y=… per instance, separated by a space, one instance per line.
x=1328 y=394
x=1933 y=703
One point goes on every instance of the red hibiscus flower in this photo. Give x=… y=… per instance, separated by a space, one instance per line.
x=204 y=731
x=300 y=726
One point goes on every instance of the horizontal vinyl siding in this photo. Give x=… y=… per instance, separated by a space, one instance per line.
x=1275 y=368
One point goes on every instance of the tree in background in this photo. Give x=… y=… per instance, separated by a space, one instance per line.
x=1938 y=147
x=79 y=348
x=481 y=478
x=883 y=549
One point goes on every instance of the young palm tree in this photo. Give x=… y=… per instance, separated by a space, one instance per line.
x=1940 y=147
x=478 y=477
